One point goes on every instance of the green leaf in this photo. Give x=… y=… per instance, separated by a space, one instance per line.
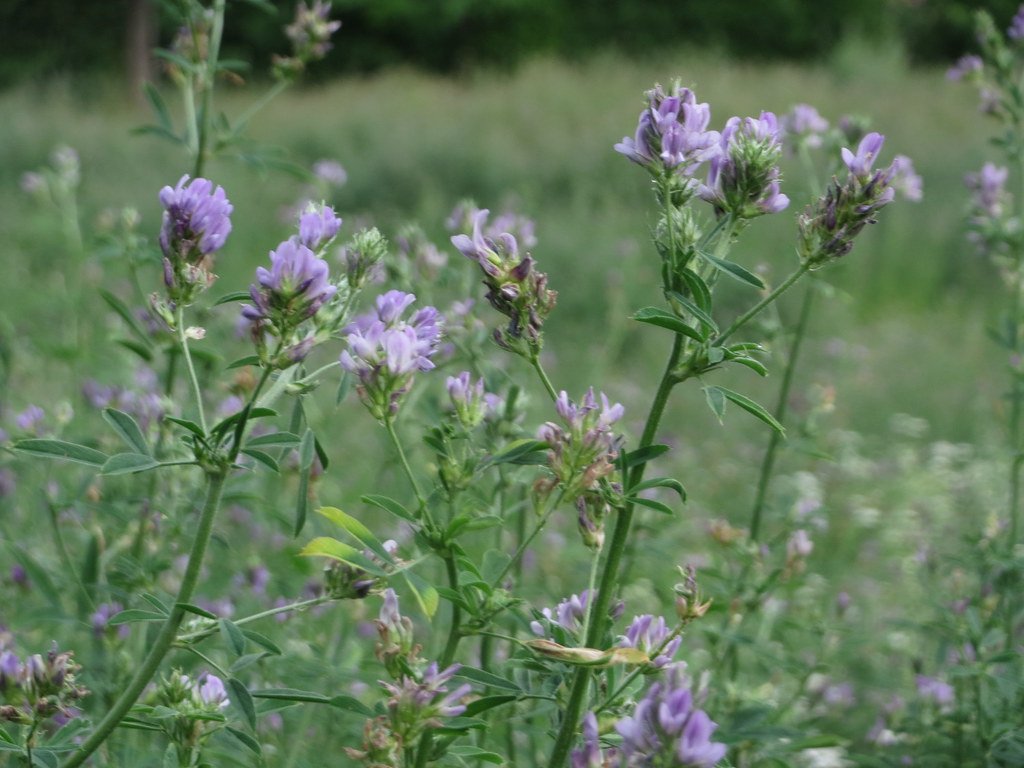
x=125 y=463
x=750 y=407
x=518 y=452
x=159 y=107
x=733 y=270
x=254 y=413
x=273 y=439
x=233 y=296
x=358 y=531
x=475 y=753
x=134 y=615
x=389 y=505
x=248 y=741
x=425 y=594
x=196 y=610
x=242 y=362
x=487 y=679
x=290 y=694
x=58 y=449
x=307 y=449
x=156 y=602
x=659 y=482
x=485 y=703
x=344 y=384
x=241 y=698
x=321 y=454
x=350 y=704
x=191 y=426
x=263 y=458
x=703 y=317
x=233 y=636
x=127 y=429
x=139 y=349
x=701 y=293
x=126 y=314
x=324 y=546
x=755 y=365
x=455 y=597
x=658 y=506
x=263 y=641
x=642 y=455
x=716 y=401
x=663 y=319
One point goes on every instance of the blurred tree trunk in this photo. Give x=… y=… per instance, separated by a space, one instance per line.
x=141 y=34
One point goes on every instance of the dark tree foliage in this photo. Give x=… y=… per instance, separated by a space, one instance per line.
x=46 y=37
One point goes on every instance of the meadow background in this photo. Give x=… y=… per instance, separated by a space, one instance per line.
x=897 y=406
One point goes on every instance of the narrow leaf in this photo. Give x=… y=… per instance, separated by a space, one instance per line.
x=753 y=408
x=159 y=107
x=733 y=270
x=191 y=426
x=699 y=289
x=663 y=319
x=263 y=641
x=487 y=679
x=241 y=697
x=127 y=429
x=248 y=741
x=290 y=694
x=716 y=401
x=518 y=452
x=704 y=318
x=324 y=546
x=242 y=362
x=263 y=458
x=134 y=615
x=126 y=314
x=477 y=706
x=657 y=506
x=389 y=505
x=273 y=439
x=156 y=602
x=642 y=455
x=425 y=594
x=358 y=531
x=660 y=482
x=125 y=463
x=139 y=349
x=58 y=449
x=233 y=296
x=233 y=636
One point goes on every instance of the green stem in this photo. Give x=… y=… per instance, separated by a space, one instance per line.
x=300 y=605
x=591 y=581
x=747 y=316
x=781 y=406
x=179 y=322
x=209 y=78
x=260 y=103
x=535 y=362
x=162 y=644
x=389 y=425
x=525 y=542
x=610 y=574
x=455 y=628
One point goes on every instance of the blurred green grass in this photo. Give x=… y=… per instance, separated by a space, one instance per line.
x=911 y=300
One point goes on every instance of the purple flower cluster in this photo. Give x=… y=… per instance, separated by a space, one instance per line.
x=196 y=222
x=318 y=224
x=568 y=614
x=828 y=228
x=989 y=188
x=743 y=177
x=416 y=705
x=672 y=134
x=384 y=351
x=803 y=125
x=38 y=687
x=650 y=635
x=210 y=693
x=1016 y=29
x=471 y=403
x=145 y=404
x=966 y=66
x=310 y=35
x=583 y=446
x=667 y=729
x=514 y=287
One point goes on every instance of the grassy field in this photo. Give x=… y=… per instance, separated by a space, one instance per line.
x=897 y=404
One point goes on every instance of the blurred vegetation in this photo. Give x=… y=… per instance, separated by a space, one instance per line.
x=449 y=35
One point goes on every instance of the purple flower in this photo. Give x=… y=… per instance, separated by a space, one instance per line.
x=939 y=692
x=650 y=635
x=568 y=615
x=905 y=179
x=590 y=755
x=469 y=400
x=101 y=619
x=966 y=65
x=1016 y=28
x=804 y=125
x=318 y=225
x=799 y=545
x=311 y=31
x=743 y=178
x=330 y=171
x=988 y=186
x=862 y=163
x=384 y=351
x=665 y=725
x=30 y=420
x=671 y=134
x=196 y=219
x=583 y=449
x=292 y=290
x=415 y=706
x=212 y=692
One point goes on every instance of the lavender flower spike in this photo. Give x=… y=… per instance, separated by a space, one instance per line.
x=862 y=164
x=318 y=225
x=196 y=219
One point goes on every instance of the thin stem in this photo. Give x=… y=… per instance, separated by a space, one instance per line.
x=300 y=605
x=588 y=614
x=525 y=542
x=389 y=425
x=610 y=574
x=781 y=406
x=260 y=103
x=535 y=362
x=455 y=628
x=162 y=644
x=747 y=316
x=179 y=322
x=209 y=78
